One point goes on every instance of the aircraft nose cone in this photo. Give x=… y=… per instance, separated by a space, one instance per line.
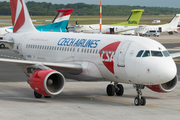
x=166 y=71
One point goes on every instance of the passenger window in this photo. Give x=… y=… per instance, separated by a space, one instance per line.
x=70 y=49
x=49 y=47
x=157 y=53
x=82 y=50
x=73 y=49
x=140 y=53
x=57 y=48
x=146 y=53
x=67 y=49
x=166 y=54
x=96 y=51
x=90 y=50
x=78 y=50
x=93 y=50
x=62 y=48
x=52 y=47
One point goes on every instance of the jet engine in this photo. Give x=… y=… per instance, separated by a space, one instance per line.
x=47 y=82
x=165 y=87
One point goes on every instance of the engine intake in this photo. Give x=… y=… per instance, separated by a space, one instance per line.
x=47 y=82
x=165 y=87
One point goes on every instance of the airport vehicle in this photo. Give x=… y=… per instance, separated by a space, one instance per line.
x=130 y=24
x=170 y=27
x=50 y=57
x=59 y=23
x=154 y=33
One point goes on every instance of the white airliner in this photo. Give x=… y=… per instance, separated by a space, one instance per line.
x=130 y=24
x=50 y=57
x=170 y=27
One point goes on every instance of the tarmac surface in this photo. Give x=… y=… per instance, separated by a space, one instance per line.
x=84 y=100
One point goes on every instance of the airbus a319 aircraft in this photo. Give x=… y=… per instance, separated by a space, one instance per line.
x=51 y=57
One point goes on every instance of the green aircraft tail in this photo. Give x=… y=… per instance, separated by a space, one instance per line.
x=133 y=19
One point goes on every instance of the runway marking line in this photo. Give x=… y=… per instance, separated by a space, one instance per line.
x=176 y=109
x=176 y=60
x=154 y=106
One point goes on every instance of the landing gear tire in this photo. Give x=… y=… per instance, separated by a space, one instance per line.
x=37 y=95
x=137 y=101
x=110 y=90
x=2 y=46
x=119 y=90
x=47 y=96
x=143 y=101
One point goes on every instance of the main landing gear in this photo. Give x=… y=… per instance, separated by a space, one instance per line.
x=116 y=88
x=37 y=95
x=139 y=100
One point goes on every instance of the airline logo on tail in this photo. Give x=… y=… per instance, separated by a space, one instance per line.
x=64 y=14
x=107 y=55
x=17 y=14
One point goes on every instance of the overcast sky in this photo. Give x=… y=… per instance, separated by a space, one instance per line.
x=156 y=3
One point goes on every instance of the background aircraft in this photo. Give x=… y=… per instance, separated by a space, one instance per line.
x=50 y=57
x=59 y=23
x=130 y=24
x=170 y=27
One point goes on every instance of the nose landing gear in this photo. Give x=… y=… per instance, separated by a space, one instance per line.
x=139 y=100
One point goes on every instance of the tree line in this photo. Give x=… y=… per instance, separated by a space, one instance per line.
x=82 y=9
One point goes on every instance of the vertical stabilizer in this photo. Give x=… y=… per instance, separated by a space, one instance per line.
x=174 y=22
x=63 y=15
x=21 y=20
x=133 y=19
x=59 y=23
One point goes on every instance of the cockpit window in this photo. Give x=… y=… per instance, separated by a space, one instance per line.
x=166 y=54
x=140 y=53
x=146 y=53
x=157 y=53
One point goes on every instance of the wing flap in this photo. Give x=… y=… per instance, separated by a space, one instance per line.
x=71 y=68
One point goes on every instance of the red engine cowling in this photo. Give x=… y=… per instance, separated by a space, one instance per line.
x=166 y=87
x=47 y=82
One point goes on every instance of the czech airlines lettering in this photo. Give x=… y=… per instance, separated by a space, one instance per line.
x=107 y=55
x=90 y=43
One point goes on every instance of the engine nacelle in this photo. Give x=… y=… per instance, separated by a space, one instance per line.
x=166 y=87
x=47 y=82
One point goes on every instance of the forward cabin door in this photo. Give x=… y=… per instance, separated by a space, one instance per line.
x=122 y=52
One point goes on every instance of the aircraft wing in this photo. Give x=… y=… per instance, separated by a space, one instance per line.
x=72 y=68
x=175 y=55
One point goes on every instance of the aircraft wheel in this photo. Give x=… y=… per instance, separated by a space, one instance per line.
x=110 y=90
x=37 y=95
x=137 y=101
x=120 y=90
x=2 y=46
x=143 y=101
x=47 y=96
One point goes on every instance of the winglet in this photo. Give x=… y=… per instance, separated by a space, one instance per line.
x=21 y=20
x=133 y=19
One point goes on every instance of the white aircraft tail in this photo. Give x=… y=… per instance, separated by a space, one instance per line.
x=21 y=20
x=174 y=22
